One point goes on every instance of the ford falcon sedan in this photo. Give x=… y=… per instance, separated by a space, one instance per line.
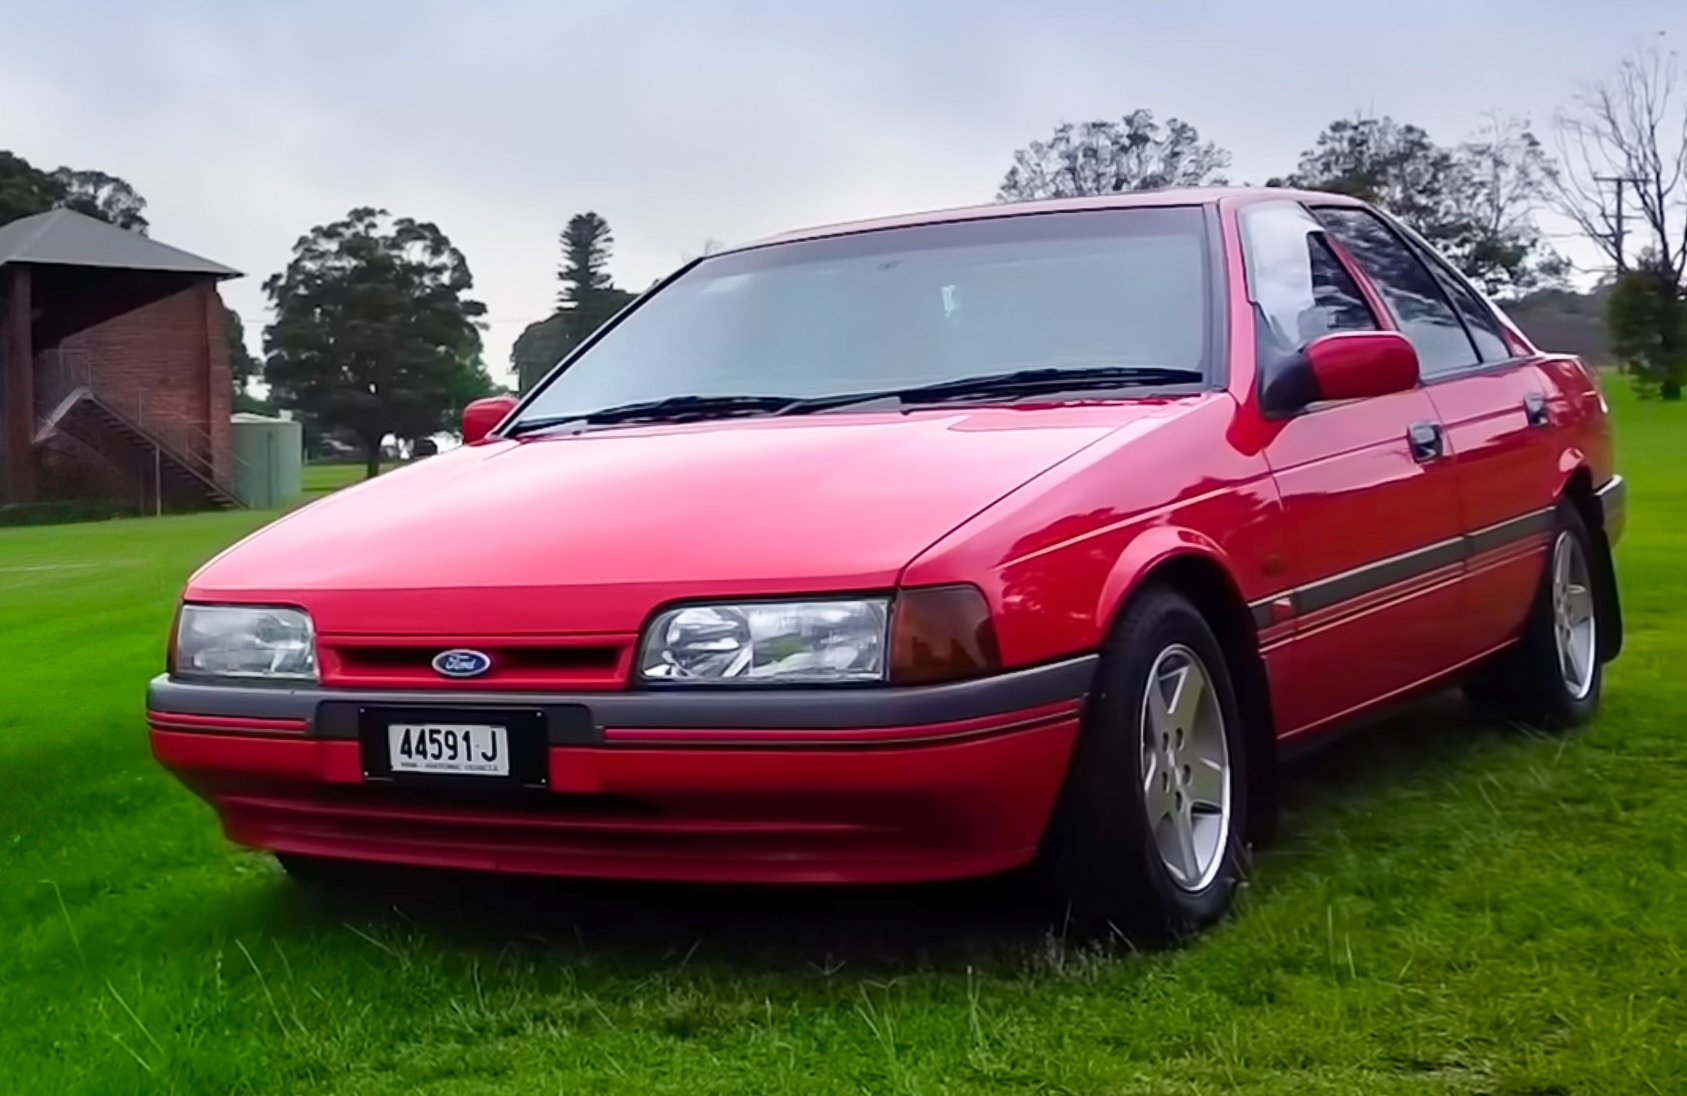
x=919 y=549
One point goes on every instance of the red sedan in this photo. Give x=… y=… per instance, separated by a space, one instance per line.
x=924 y=548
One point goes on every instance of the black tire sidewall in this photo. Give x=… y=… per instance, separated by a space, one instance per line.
x=1101 y=846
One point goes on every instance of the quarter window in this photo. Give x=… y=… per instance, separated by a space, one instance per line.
x=1478 y=319
x=1409 y=290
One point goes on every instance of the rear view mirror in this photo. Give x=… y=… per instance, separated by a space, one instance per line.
x=481 y=416
x=1347 y=365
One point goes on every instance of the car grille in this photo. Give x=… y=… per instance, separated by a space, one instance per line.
x=596 y=662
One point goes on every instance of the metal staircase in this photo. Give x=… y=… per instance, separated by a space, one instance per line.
x=171 y=460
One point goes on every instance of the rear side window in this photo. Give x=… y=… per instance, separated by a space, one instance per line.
x=1409 y=290
x=1478 y=320
x=1299 y=288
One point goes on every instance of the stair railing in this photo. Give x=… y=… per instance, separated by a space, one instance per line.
x=60 y=372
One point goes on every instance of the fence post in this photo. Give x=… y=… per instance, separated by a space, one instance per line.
x=157 y=480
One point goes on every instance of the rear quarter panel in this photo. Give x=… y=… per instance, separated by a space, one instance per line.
x=1580 y=419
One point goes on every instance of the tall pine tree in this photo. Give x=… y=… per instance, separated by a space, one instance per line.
x=587 y=300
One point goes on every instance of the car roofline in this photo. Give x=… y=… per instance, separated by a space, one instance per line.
x=1145 y=199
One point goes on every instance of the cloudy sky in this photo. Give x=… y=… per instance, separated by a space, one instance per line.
x=245 y=122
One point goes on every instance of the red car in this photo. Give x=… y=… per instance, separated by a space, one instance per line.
x=924 y=548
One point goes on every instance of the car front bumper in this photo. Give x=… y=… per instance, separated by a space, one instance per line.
x=772 y=786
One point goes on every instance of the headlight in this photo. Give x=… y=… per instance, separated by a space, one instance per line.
x=769 y=643
x=269 y=644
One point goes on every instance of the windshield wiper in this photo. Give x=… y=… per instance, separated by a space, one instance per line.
x=670 y=409
x=1020 y=382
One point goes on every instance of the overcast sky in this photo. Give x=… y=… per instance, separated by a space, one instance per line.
x=245 y=123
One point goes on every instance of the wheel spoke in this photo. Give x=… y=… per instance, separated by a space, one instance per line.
x=1191 y=685
x=1159 y=715
x=1188 y=861
x=1580 y=654
x=1156 y=790
x=1580 y=603
x=1205 y=787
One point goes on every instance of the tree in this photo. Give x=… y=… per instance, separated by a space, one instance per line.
x=1475 y=203
x=372 y=329
x=1646 y=316
x=242 y=366
x=1134 y=153
x=24 y=189
x=1623 y=154
x=1566 y=321
x=468 y=382
x=588 y=295
x=539 y=347
x=1500 y=182
x=587 y=300
x=1381 y=161
x=104 y=196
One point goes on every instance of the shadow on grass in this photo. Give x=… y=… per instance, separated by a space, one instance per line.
x=998 y=922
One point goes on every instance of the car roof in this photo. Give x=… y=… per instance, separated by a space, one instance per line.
x=1182 y=196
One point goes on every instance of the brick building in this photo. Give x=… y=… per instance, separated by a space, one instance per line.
x=114 y=371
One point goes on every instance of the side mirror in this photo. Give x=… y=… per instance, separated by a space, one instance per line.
x=481 y=416
x=1346 y=365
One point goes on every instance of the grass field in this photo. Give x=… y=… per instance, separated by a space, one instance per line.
x=1450 y=909
x=321 y=477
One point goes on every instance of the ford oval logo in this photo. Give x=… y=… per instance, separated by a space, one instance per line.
x=461 y=663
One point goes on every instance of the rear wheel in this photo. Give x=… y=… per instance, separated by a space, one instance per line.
x=1554 y=675
x=1147 y=835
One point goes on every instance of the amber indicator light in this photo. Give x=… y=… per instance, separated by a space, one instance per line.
x=941 y=633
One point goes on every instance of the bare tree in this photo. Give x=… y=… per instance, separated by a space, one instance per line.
x=1626 y=137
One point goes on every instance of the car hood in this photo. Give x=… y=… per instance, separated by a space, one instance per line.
x=588 y=533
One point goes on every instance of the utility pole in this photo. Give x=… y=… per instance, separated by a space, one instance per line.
x=1619 y=221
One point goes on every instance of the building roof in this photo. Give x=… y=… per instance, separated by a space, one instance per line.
x=63 y=237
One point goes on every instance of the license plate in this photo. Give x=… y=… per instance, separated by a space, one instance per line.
x=449 y=749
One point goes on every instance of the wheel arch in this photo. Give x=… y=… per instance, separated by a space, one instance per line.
x=1191 y=565
x=1578 y=490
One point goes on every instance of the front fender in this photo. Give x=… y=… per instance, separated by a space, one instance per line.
x=1151 y=548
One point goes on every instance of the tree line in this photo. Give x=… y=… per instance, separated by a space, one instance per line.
x=1478 y=201
x=375 y=332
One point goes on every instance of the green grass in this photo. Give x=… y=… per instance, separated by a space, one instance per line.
x=1450 y=909
x=319 y=478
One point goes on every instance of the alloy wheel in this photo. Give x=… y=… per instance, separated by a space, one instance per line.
x=1185 y=768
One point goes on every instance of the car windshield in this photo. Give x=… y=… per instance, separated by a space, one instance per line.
x=908 y=307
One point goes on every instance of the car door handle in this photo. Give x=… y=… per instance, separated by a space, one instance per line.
x=1534 y=406
x=1426 y=441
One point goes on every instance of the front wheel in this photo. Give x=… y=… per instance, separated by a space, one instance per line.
x=326 y=875
x=1146 y=837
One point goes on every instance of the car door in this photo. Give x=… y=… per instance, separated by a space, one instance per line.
x=1372 y=557
x=1492 y=403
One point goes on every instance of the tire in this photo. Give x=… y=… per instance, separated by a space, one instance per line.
x=1539 y=681
x=1116 y=852
x=327 y=875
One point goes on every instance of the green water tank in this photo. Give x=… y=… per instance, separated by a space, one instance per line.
x=269 y=458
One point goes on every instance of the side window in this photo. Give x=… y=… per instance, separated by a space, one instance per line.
x=1299 y=288
x=1478 y=320
x=1408 y=288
